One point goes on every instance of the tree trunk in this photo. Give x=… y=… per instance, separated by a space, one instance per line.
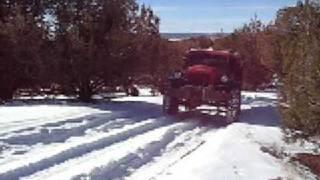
x=85 y=93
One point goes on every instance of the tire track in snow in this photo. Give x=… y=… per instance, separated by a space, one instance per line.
x=60 y=133
x=28 y=168
x=132 y=161
x=118 y=160
x=176 y=151
x=28 y=123
x=183 y=156
x=57 y=132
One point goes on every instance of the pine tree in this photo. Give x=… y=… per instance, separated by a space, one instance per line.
x=21 y=40
x=99 y=41
x=300 y=72
x=250 y=41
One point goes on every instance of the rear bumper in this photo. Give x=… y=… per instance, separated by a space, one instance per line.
x=201 y=95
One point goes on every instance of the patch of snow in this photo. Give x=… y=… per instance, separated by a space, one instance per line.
x=14 y=118
x=230 y=155
x=129 y=138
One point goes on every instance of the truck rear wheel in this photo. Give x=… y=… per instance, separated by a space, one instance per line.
x=234 y=107
x=170 y=105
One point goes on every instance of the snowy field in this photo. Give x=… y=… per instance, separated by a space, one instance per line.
x=130 y=138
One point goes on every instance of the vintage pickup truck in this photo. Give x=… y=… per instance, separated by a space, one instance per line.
x=210 y=77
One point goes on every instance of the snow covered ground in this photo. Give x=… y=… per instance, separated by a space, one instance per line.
x=130 y=138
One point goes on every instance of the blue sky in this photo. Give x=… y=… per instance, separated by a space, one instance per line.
x=212 y=15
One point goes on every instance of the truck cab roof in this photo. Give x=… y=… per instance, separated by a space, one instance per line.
x=212 y=57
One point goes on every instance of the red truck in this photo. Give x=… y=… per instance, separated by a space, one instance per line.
x=210 y=77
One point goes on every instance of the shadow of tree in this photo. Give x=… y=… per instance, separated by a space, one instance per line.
x=265 y=116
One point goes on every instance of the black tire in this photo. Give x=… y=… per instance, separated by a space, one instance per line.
x=234 y=107
x=170 y=105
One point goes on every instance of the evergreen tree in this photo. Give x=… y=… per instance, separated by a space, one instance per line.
x=21 y=41
x=98 y=42
x=298 y=29
x=80 y=45
x=250 y=41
